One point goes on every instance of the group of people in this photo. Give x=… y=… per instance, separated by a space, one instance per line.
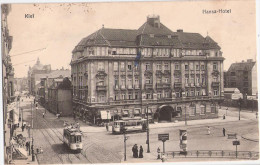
x=135 y=151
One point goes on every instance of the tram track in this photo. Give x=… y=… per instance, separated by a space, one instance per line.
x=59 y=135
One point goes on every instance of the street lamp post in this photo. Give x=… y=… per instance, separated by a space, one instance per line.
x=33 y=156
x=125 y=138
x=252 y=103
x=185 y=114
x=148 y=143
x=240 y=102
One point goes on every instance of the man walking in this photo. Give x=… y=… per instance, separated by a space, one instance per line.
x=224 y=132
x=43 y=115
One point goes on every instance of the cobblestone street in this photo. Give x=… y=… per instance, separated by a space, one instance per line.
x=101 y=146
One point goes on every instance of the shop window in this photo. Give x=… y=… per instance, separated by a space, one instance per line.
x=202 y=109
x=178 y=111
x=192 y=110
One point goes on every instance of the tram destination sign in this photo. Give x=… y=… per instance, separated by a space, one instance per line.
x=163 y=137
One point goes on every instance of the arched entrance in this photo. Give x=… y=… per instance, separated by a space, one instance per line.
x=165 y=113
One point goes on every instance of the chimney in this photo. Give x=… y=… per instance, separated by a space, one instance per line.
x=180 y=30
x=154 y=20
x=243 y=61
x=249 y=60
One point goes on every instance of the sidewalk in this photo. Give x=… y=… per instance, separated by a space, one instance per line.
x=25 y=134
x=85 y=128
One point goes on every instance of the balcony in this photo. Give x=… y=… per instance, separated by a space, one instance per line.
x=215 y=84
x=167 y=72
x=116 y=87
x=136 y=86
x=159 y=85
x=159 y=73
x=167 y=85
x=129 y=86
x=177 y=85
x=148 y=86
x=177 y=72
x=122 y=87
x=136 y=73
x=192 y=72
x=101 y=88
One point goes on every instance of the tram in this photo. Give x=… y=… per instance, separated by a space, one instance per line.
x=72 y=137
x=130 y=125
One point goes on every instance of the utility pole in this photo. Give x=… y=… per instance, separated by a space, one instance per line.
x=147 y=141
x=33 y=156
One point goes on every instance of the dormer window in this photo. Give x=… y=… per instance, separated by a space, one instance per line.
x=152 y=35
x=169 y=36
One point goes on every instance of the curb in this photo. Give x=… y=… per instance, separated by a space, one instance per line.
x=254 y=140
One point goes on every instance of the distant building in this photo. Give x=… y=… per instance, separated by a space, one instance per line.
x=20 y=84
x=46 y=79
x=126 y=73
x=33 y=79
x=232 y=94
x=243 y=75
x=60 y=97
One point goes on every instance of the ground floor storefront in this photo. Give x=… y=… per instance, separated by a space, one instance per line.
x=164 y=112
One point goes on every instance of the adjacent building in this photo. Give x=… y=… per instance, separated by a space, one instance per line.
x=127 y=73
x=60 y=97
x=46 y=80
x=7 y=77
x=243 y=75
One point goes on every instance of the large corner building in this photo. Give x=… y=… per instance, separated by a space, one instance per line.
x=121 y=73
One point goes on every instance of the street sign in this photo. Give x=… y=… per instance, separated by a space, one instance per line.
x=163 y=137
x=236 y=142
x=232 y=136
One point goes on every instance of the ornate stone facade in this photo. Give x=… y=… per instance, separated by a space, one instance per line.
x=122 y=72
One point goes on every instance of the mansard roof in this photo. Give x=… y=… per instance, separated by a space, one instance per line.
x=241 y=66
x=146 y=35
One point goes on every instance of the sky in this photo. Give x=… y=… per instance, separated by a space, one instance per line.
x=59 y=27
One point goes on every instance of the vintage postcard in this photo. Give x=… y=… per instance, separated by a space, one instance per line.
x=129 y=82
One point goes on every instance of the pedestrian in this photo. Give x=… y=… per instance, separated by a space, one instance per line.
x=141 y=152
x=256 y=115
x=226 y=110
x=22 y=127
x=136 y=151
x=158 y=151
x=107 y=126
x=133 y=150
x=43 y=115
x=224 y=117
x=224 y=132
x=208 y=130
x=78 y=126
x=27 y=146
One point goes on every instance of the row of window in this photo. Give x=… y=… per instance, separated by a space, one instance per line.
x=102 y=51
x=192 y=110
x=160 y=94
x=130 y=66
